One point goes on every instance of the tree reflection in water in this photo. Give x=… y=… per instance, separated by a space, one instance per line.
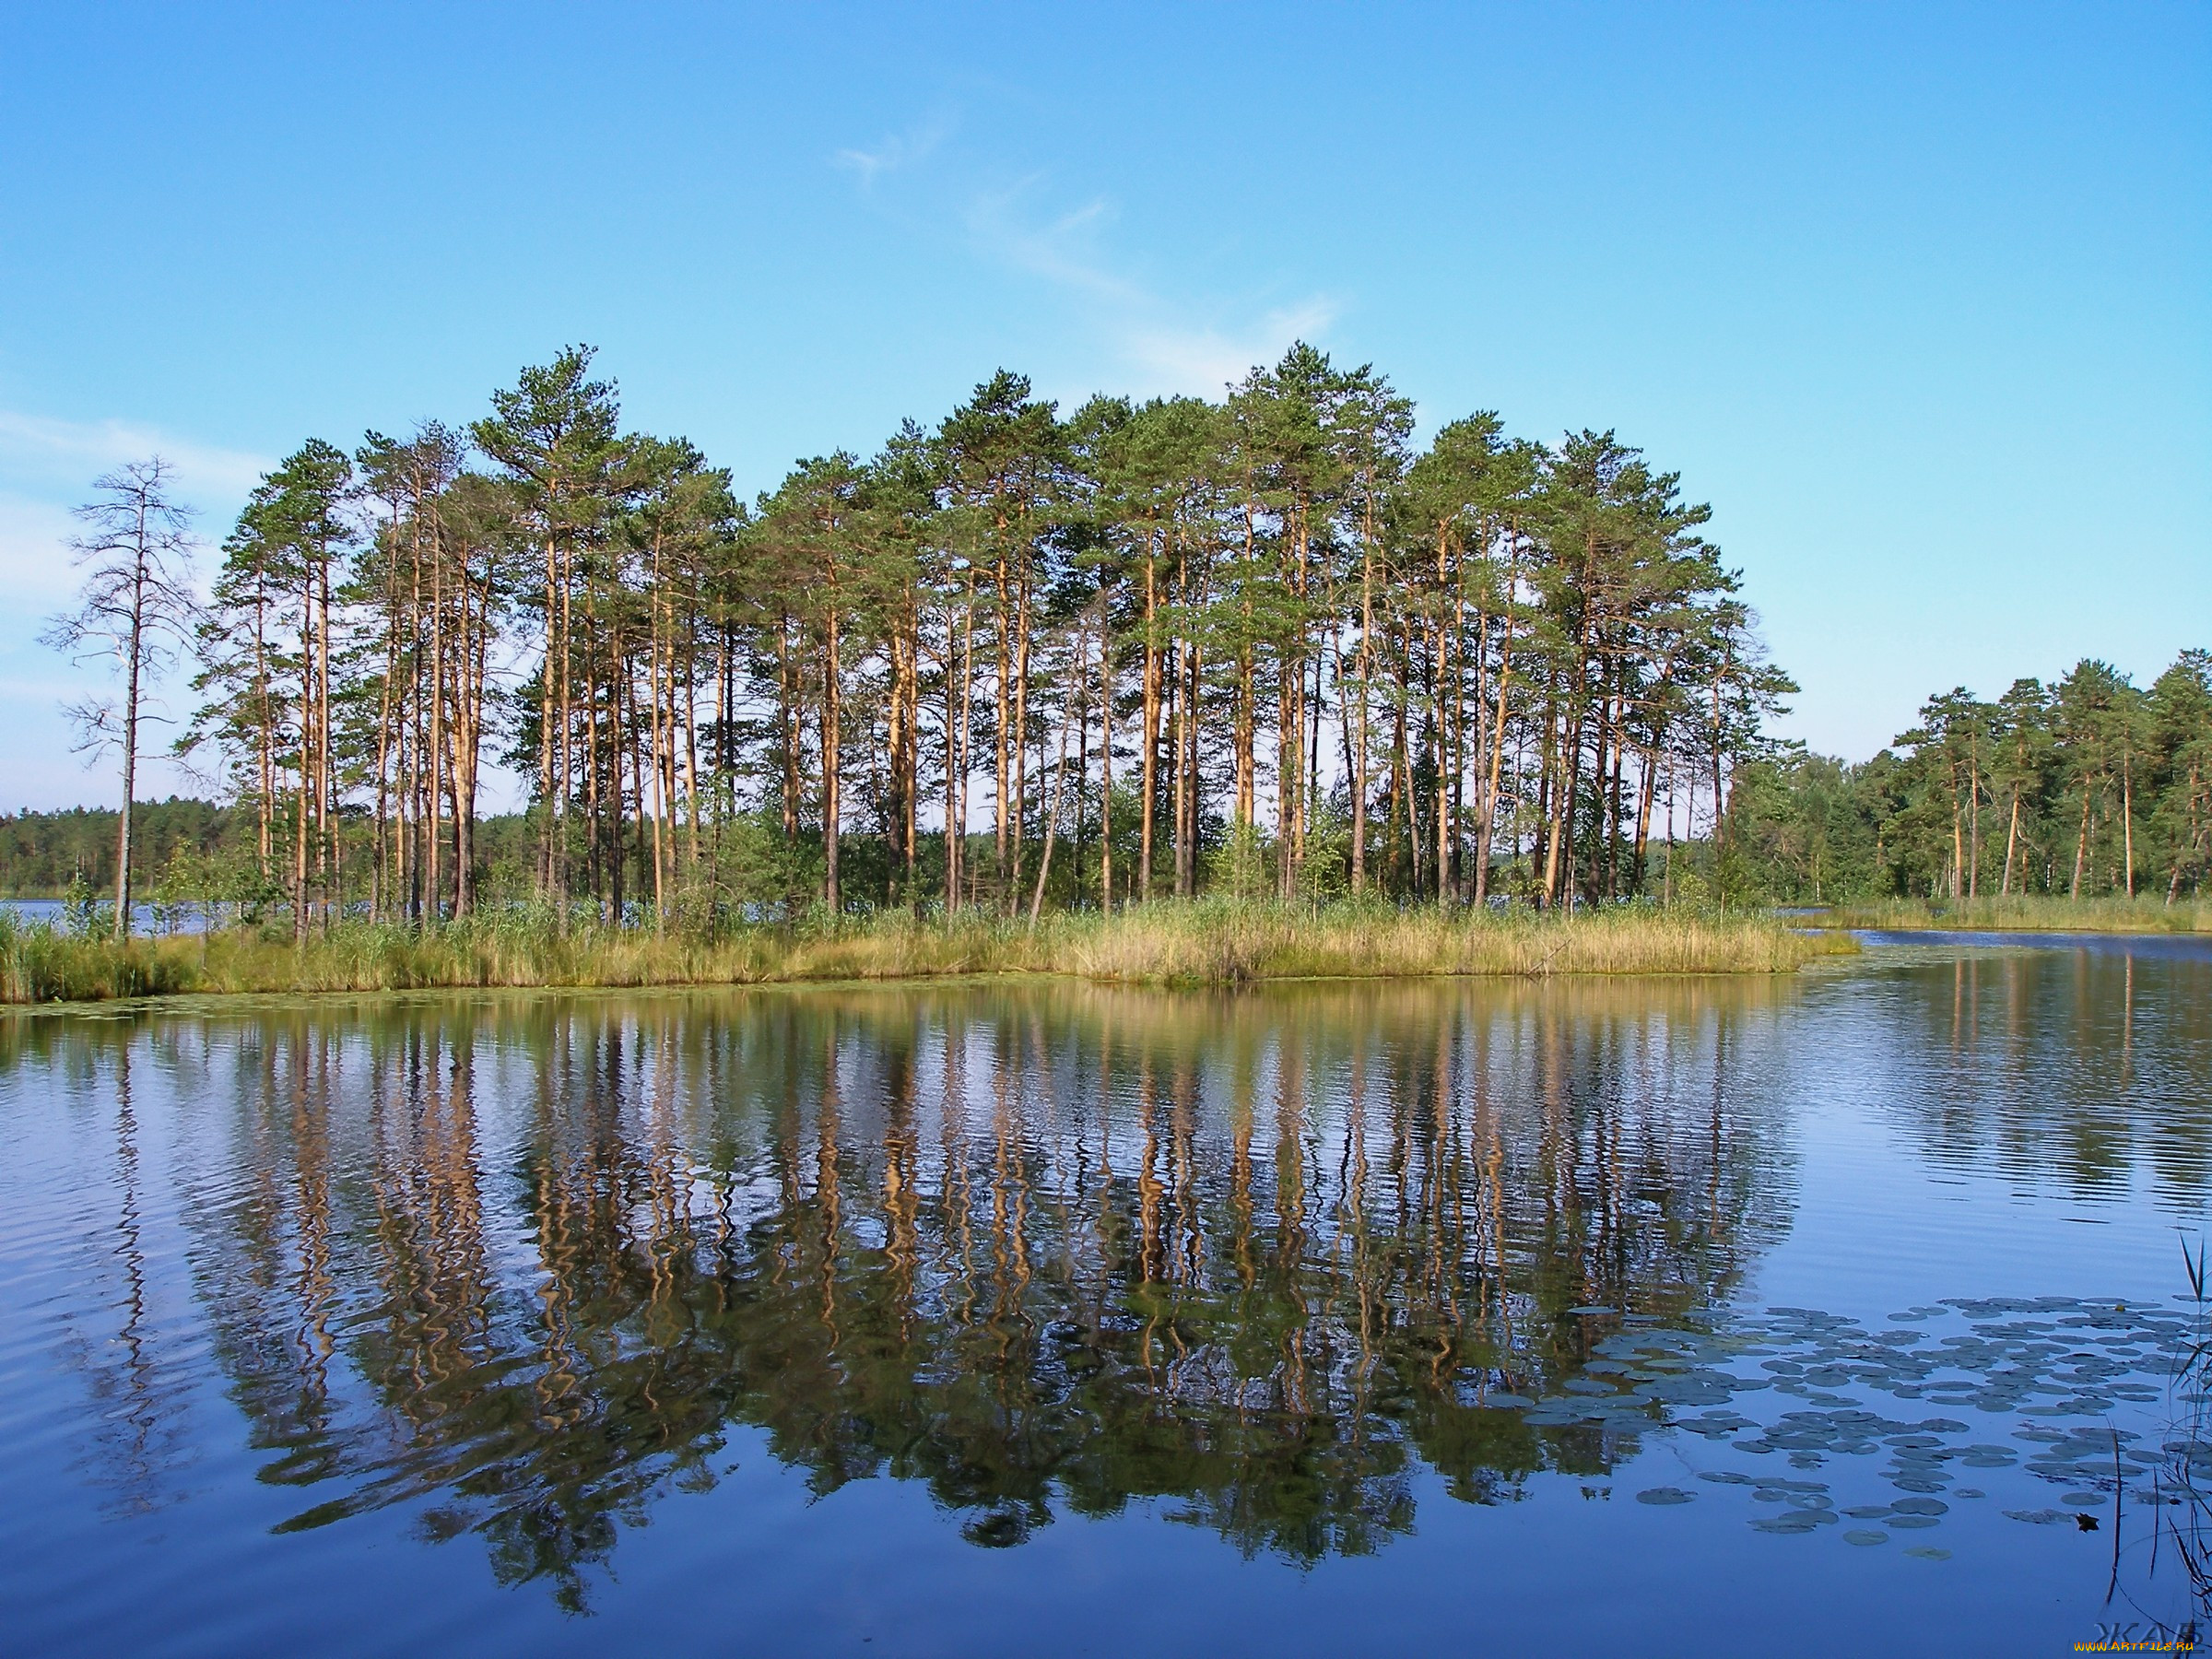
x=521 y=1263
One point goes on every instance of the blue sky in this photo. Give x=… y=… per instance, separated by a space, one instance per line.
x=1917 y=297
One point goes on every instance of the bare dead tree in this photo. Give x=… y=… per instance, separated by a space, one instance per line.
x=135 y=608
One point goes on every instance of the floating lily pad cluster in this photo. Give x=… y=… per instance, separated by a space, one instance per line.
x=2044 y=1363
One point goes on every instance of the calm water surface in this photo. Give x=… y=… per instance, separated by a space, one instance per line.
x=1654 y=1316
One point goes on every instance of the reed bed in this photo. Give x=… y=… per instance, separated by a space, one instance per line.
x=1232 y=943
x=2031 y=912
x=1201 y=943
x=42 y=964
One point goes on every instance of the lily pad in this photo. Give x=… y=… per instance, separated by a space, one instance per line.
x=1796 y=1521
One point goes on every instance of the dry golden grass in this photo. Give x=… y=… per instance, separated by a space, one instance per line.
x=1224 y=943
x=1205 y=942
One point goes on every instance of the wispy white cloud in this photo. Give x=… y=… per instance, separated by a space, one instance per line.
x=895 y=153
x=1062 y=247
x=1165 y=344
x=38 y=453
x=1208 y=357
x=41 y=766
x=47 y=465
x=38 y=689
x=34 y=556
x=1156 y=340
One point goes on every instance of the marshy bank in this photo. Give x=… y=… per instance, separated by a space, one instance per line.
x=1203 y=943
x=2018 y=912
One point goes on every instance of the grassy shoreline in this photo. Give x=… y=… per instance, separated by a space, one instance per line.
x=2021 y=913
x=1205 y=942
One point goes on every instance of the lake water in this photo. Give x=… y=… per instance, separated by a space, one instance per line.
x=1672 y=1316
x=146 y=919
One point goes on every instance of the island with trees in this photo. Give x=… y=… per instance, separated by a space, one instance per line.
x=1203 y=688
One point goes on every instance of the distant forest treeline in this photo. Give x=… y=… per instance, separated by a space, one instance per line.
x=2091 y=786
x=43 y=854
x=186 y=849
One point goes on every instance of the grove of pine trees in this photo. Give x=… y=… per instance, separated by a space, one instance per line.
x=1259 y=645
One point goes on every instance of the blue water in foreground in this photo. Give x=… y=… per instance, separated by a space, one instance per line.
x=1652 y=1316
